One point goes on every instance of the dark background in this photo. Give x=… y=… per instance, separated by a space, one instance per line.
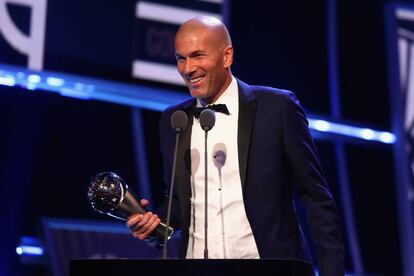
x=50 y=146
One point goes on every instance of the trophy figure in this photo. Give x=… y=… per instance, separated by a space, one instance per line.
x=109 y=194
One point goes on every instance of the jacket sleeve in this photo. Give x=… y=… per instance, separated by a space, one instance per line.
x=312 y=189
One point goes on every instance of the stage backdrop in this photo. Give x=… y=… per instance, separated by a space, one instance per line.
x=52 y=145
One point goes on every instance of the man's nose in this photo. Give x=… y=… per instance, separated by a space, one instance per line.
x=189 y=67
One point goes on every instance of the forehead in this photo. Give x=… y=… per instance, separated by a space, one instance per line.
x=189 y=41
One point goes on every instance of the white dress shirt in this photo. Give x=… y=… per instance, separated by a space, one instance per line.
x=229 y=232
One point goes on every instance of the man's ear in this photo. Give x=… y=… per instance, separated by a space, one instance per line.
x=228 y=56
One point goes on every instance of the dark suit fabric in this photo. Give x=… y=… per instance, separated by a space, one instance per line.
x=277 y=158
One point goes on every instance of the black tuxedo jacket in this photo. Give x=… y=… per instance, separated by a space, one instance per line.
x=277 y=158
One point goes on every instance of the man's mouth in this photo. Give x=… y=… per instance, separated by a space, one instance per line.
x=196 y=80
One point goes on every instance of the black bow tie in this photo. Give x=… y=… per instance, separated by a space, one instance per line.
x=222 y=108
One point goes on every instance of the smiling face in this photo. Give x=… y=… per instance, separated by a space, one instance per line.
x=204 y=56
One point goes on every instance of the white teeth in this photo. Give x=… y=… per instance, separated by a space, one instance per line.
x=196 y=79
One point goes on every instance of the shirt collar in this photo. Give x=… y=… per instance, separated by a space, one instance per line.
x=229 y=97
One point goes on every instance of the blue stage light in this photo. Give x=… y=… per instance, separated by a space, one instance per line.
x=352 y=131
x=320 y=125
x=387 y=137
x=367 y=134
x=148 y=98
x=29 y=246
x=7 y=80
x=74 y=93
x=31 y=86
x=56 y=82
x=33 y=78
x=29 y=250
x=19 y=250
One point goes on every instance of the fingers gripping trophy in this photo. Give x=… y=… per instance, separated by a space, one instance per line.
x=109 y=194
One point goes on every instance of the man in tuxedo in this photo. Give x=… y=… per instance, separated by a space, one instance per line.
x=260 y=154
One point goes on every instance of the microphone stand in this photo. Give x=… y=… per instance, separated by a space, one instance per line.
x=207 y=121
x=205 y=197
x=178 y=123
x=164 y=249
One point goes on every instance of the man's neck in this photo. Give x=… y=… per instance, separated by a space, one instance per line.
x=212 y=100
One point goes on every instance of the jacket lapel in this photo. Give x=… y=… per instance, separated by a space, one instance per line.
x=247 y=109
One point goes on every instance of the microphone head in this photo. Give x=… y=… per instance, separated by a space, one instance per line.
x=179 y=120
x=207 y=119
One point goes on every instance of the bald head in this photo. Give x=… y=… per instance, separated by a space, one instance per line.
x=204 y=55
x=212 y=27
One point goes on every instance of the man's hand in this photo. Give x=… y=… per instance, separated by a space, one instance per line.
x=141 y=226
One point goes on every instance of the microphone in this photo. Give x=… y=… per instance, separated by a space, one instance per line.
x=207 y=121
x=179 y=121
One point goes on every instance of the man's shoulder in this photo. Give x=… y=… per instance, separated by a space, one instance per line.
x=266 y=92
x=184 y=105
x=271 y=91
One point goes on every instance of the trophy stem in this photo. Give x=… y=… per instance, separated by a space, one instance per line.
x=160 y=231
